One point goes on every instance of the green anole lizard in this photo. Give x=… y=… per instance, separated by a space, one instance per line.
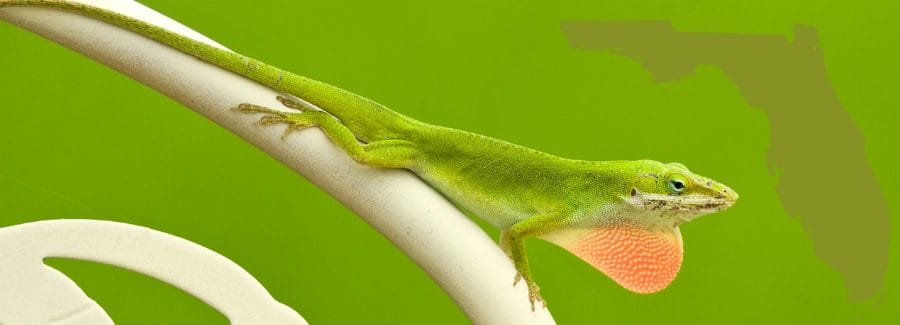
x=621 y=217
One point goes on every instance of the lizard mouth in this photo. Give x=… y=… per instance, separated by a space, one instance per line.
x=704 y=205
x=682 y=209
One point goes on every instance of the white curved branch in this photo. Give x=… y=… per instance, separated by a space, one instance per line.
x=465 y=262
x=33 y=293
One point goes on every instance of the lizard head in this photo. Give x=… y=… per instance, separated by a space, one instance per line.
x=670 y=194
x=637 y=243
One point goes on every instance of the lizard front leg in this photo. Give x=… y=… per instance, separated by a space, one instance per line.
x=512 y=241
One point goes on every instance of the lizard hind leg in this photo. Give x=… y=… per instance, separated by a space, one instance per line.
x=391 y=153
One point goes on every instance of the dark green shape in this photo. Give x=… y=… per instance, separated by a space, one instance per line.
x=816 y=150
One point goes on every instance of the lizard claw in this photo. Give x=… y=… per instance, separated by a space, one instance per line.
x=250 y=108
x=293 y=128
x=534 y=295
x=291 y=103
x=533 y=290
x=271 y=119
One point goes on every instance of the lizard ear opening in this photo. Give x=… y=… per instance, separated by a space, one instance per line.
x=639 y=259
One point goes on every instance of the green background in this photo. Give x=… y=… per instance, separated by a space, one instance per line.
x=78 y=140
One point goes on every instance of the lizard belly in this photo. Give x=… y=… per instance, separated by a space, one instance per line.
x=497 y=210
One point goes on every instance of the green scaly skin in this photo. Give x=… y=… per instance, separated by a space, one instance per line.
x=620 y=216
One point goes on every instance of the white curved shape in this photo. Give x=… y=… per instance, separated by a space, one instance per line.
x=33 y=293
x=458 y=255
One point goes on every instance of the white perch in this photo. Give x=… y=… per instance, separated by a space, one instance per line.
x=458 y=255
x=33 y=293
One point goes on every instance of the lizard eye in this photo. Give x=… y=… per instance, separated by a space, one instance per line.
x=677 y=183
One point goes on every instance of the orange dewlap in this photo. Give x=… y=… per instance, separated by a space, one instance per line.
x=641 y=260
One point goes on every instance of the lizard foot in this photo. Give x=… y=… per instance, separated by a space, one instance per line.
x=533 y=290
x=295 y=121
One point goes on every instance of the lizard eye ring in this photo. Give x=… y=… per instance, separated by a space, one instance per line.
x=677 y=183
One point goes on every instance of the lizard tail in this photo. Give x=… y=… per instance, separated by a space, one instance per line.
x=367 y=119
